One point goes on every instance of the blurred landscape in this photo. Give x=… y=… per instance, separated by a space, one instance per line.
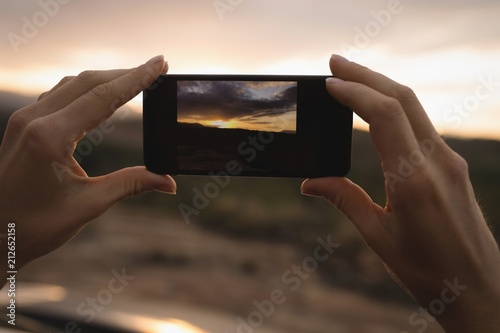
x=235 y=250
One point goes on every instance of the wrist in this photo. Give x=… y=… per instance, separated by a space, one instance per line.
x=474 y=310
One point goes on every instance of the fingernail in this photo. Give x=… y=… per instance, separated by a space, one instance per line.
x=334 y=80
x=167 y=191
x=168 y=186
x=338 y=58
x=311 y=194
x=155 y=60
x=308 y=192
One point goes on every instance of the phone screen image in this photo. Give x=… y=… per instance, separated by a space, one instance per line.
x=275 y=126
x=214 y=115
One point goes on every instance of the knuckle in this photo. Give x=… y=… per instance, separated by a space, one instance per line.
x=102 y=92
x=87 y=75
x=430 y=180
x=391 y=108
x=65 y=80
x=35 y=133
x=61 y=83
x=133 y=187
x=456 y=166
x=405 y=93
x=42 y=96
x=18 y=120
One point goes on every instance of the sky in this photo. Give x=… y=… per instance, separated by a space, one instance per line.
x=448 y=51
x=253 y=105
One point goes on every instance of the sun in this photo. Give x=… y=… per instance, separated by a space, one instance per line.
x=219 y=123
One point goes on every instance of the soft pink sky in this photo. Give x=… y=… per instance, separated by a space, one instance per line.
x=445 y=50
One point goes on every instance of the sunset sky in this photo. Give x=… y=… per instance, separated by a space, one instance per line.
x=262 y=106
x=448 y=51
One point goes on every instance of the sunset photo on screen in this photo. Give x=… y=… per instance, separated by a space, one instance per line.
x=265 y=106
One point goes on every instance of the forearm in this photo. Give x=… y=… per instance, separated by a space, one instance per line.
x=476 y=313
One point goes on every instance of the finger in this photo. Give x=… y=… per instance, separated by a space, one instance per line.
x=389 y=127
x=57 y=86
x=353 y=202
x=92 y=108
x=72 y=87
x=126 y=183
x=350 y=71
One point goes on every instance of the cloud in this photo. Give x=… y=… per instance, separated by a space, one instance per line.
x=430 y=45
x=242 y=100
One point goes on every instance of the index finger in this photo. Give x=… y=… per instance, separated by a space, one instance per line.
x=98 y=104
x=351 y=71
x=72 y=87
x=390 y=129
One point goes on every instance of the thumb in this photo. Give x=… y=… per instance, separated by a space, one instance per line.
x=129 y=182
x=351 y=200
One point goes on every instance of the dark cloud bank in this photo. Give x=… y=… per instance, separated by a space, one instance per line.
x=235 y=99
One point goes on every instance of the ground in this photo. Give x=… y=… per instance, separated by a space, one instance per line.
x=176 y=263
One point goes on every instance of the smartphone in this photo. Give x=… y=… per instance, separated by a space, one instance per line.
x=245 y=125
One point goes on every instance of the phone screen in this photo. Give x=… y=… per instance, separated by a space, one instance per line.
x=245 y=125
x=233 y=111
